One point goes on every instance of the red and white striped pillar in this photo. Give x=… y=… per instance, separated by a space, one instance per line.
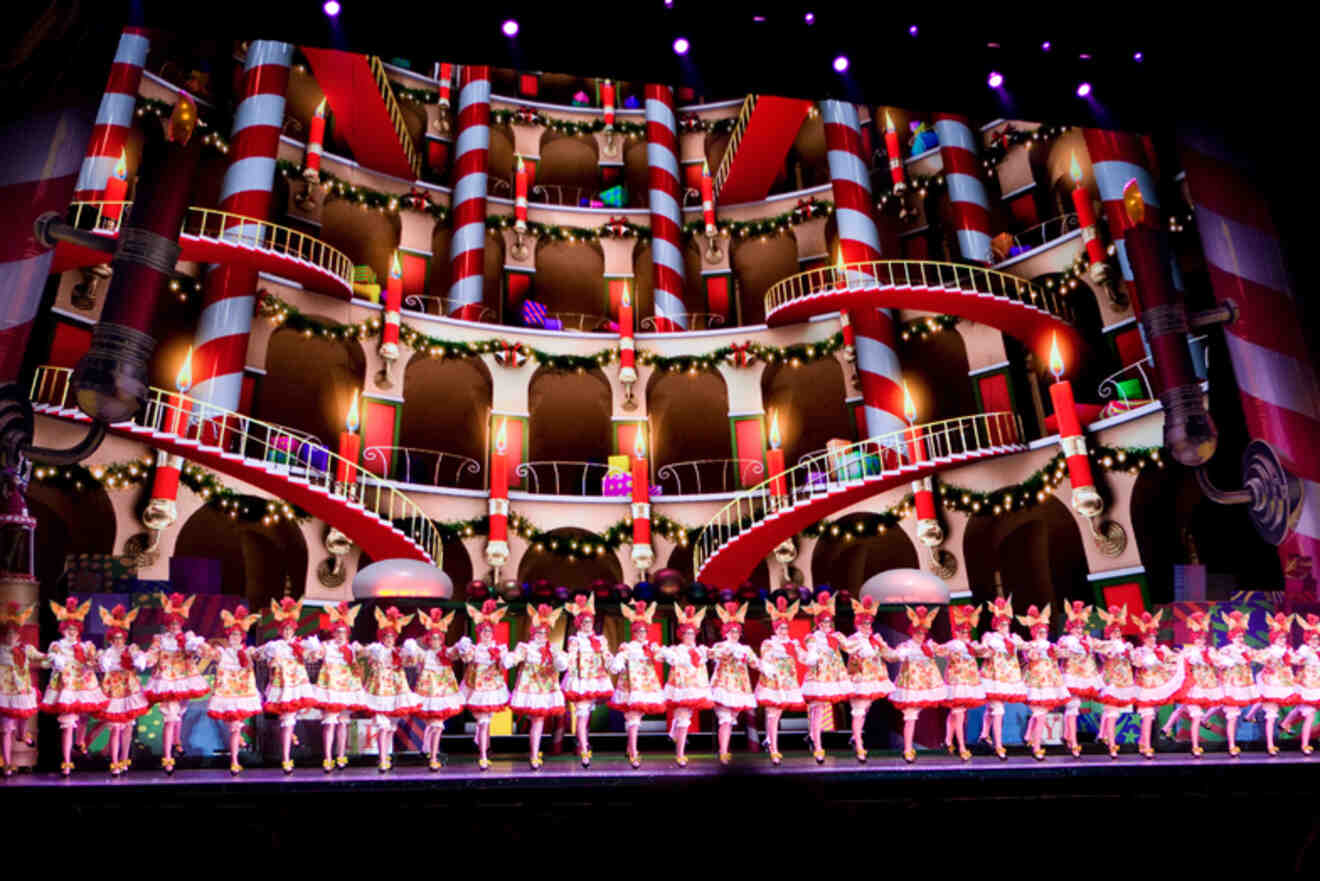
x=873 y=330
x=42 y=154
x=467 y=248
x=114 y=118
x=247 y=189
x=1116 y=158
x=1275 y=375
x=962 y=176
x=666 y=217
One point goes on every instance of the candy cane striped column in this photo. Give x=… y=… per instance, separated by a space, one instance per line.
x=38 y=175
x=227 y=304
x=962 y=176
x=467 y=249
x=114 y=118
x=1116 y=158
x=872 y=329
x=1275 y=375
x=666 y=218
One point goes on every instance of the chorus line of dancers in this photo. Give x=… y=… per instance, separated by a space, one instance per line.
x=999 y=668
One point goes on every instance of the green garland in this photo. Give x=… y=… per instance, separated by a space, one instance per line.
x=923 y=327
x=806 y=210
x=217 y=495
x=415 y=200
x=920 y=184
x=526 y=116
x=1009 y=137
x=690 y=123
x=794 y=355
x=624 y=229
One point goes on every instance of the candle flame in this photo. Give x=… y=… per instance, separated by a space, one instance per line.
x=909 y=405
x=840 y=273
x=121 y=167
x=625 y=299
x=354 y=418
x=639 y=442
x=775 y=438
x=1056 y=359
x=889 y=123
x=396 y=268
x=502 y=437
x=1075 y=169
x=183 y=381
x=320 y=109
x=705 y=168
x=521 y=169
x=1133 y=202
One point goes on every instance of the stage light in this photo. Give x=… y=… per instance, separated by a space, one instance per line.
x=912 y=31
x=681 y=46
x=331 y=8
x=809 y=18
x=840 y=63
x=758 y=18
x=995 y=80
x=1137 y=56
x=1045 y=47
x=1085 y=56
x=510 y=27
x=1083 y=89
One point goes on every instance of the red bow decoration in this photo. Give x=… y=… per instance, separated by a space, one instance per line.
x=79 y=654
x=928 y=649
x=545 y=654
x=835 y=640
x=297 y=651
x=20 y=655
x=740 y=354
x=244 y=659
x=617 y=226
x=396 y=658
x=346 y=651
x=126 y=659
x=511 y=354
x=595 y=643
x=792 y=649
x=695 y=656
x=802 y=210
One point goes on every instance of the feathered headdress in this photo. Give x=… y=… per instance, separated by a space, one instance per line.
x=286 y=611
x=491 y=612
x=1311 y=624
x=436 y=621
x=781 y=610
x=821 y=607
x=342 y=615
x=1000 y=609
x=70 y=612
x=864 y=610
x=731 y=615
x=1197 y=622
x=1114 y=617
x=582 y=604
x=391 y=619
x=638 y=611
x=16 y=616
x=1279 y=623
x=239 y=620
x=1147 y=623
x=921 y=619
x=1035 y=617
x=1078 y=612
x=176 y=606
x=964 y=617
x=117 y=620
x=689 y=617
x=544 y=616
x=1235 y=621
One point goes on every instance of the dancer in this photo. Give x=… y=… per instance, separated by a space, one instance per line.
x=1159 y=674
x=1201 y=689
x=1275 y=683
x=826 y=681
x=1045 y=689
x=338 y=689
x=385 y=687
x=1076 y=651
x=866 y=669
x=537 y=694
x=1000 y=673
x=586 y=681
x=777 y=688
x=918 y=684
x=1234 y=665
x=73 y=691
x=235 y=698
x=1117 y=687
x=289 y=690
x=175 y=679
x=436 y=688
x=730 y=683
x=1307 y=658
x=688 y=688
x=120 y=662
x=18 y=696
x=484 y=691
x=637 y=690
x=962 y=680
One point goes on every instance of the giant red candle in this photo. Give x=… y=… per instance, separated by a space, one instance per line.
x=446 y=82
x=627 y=343
x=520 y=197
x=315 y=137
x=774 y=459
x=350 y=445
x=641 y=489
x=389 y=334
x=895 y=156
x=498 y=507
x=707 y=199
x=1070 y=427
x=1081 y=197
x=607 y=100
x=116 y=190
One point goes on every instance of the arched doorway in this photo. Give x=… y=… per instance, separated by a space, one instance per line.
x=857 y=546
x=70 y=522
x=252 y=560
x=442 y=435
x=1037 y=553
x=570 y=423
x=809 y=399
x=758 y=262
x=691 y=440
x=551 y=559
x=309 y=383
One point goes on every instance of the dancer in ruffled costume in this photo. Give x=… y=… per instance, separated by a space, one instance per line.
x=1000 y=673
x=73 y=692
x=586 y=681
x=730 y=683
x=826 y=680
x=175 y=678
x=962 y=680
x=385 y=688
x=637 y=689
x=918 y=685
x=484 y=690
x=1307 y=659
x=688 y=687
x=1159 y=675
x=1234 y=664
x=1118 y=689
x=120 y=662
x=338 y=690
x=235 y=698
x=1044 y=681
x=1275 y=682
x=289 y=690
x=18 y=696
x=537 y=694
x=1201 y=690
x=436 y=686
x=1076 y=653
x=866 y=669
x=778 y=689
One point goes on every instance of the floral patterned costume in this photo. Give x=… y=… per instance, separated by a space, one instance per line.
x=436 y=686
x=338 y=685
x=962 y=679
x=637 y=688
x=385 y=687
x=1308 y=675
x=73 y=687
x=18 y=696
x=778 y=683
x=176 y=677
x=1275 y=681
x=1044 y=681
x=537 y=691
x=826 y=678
x=1158 y=673
x=586 y=679
x=919 y=683
x=730 y=683
x=1200 y=680
x=234 y=697
x=1235 y=675
x=1000 y=673
x=1080 y=676
x=484 y=688
x=120 y=683
x=1117 y=689
x=688 y=685
x=866 y=669
x=289 y=689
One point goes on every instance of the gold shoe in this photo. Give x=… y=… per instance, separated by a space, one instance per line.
x=1075 y=749
x=861 y=756
x=1235 y=751
x=1273 y=750
x=483 y=764
x=1038 y=754
x=168 y=764
x=681 y=761
x=287 y=766
x=909 y=756
x=1307 y=749
x=1148 y=752
x=1002 y=753
x=725 y=758
x=965 y=755
x=776 y=757
x=66 y=768
x=819 y=756
x=586 y=758
x=234 y=768
x=384 y=766
x=536 y=762
x=635 y=759
x=327 y=765
x=953 y=750
x=434 y=765
x=1113 y=750
x=1197 y=751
